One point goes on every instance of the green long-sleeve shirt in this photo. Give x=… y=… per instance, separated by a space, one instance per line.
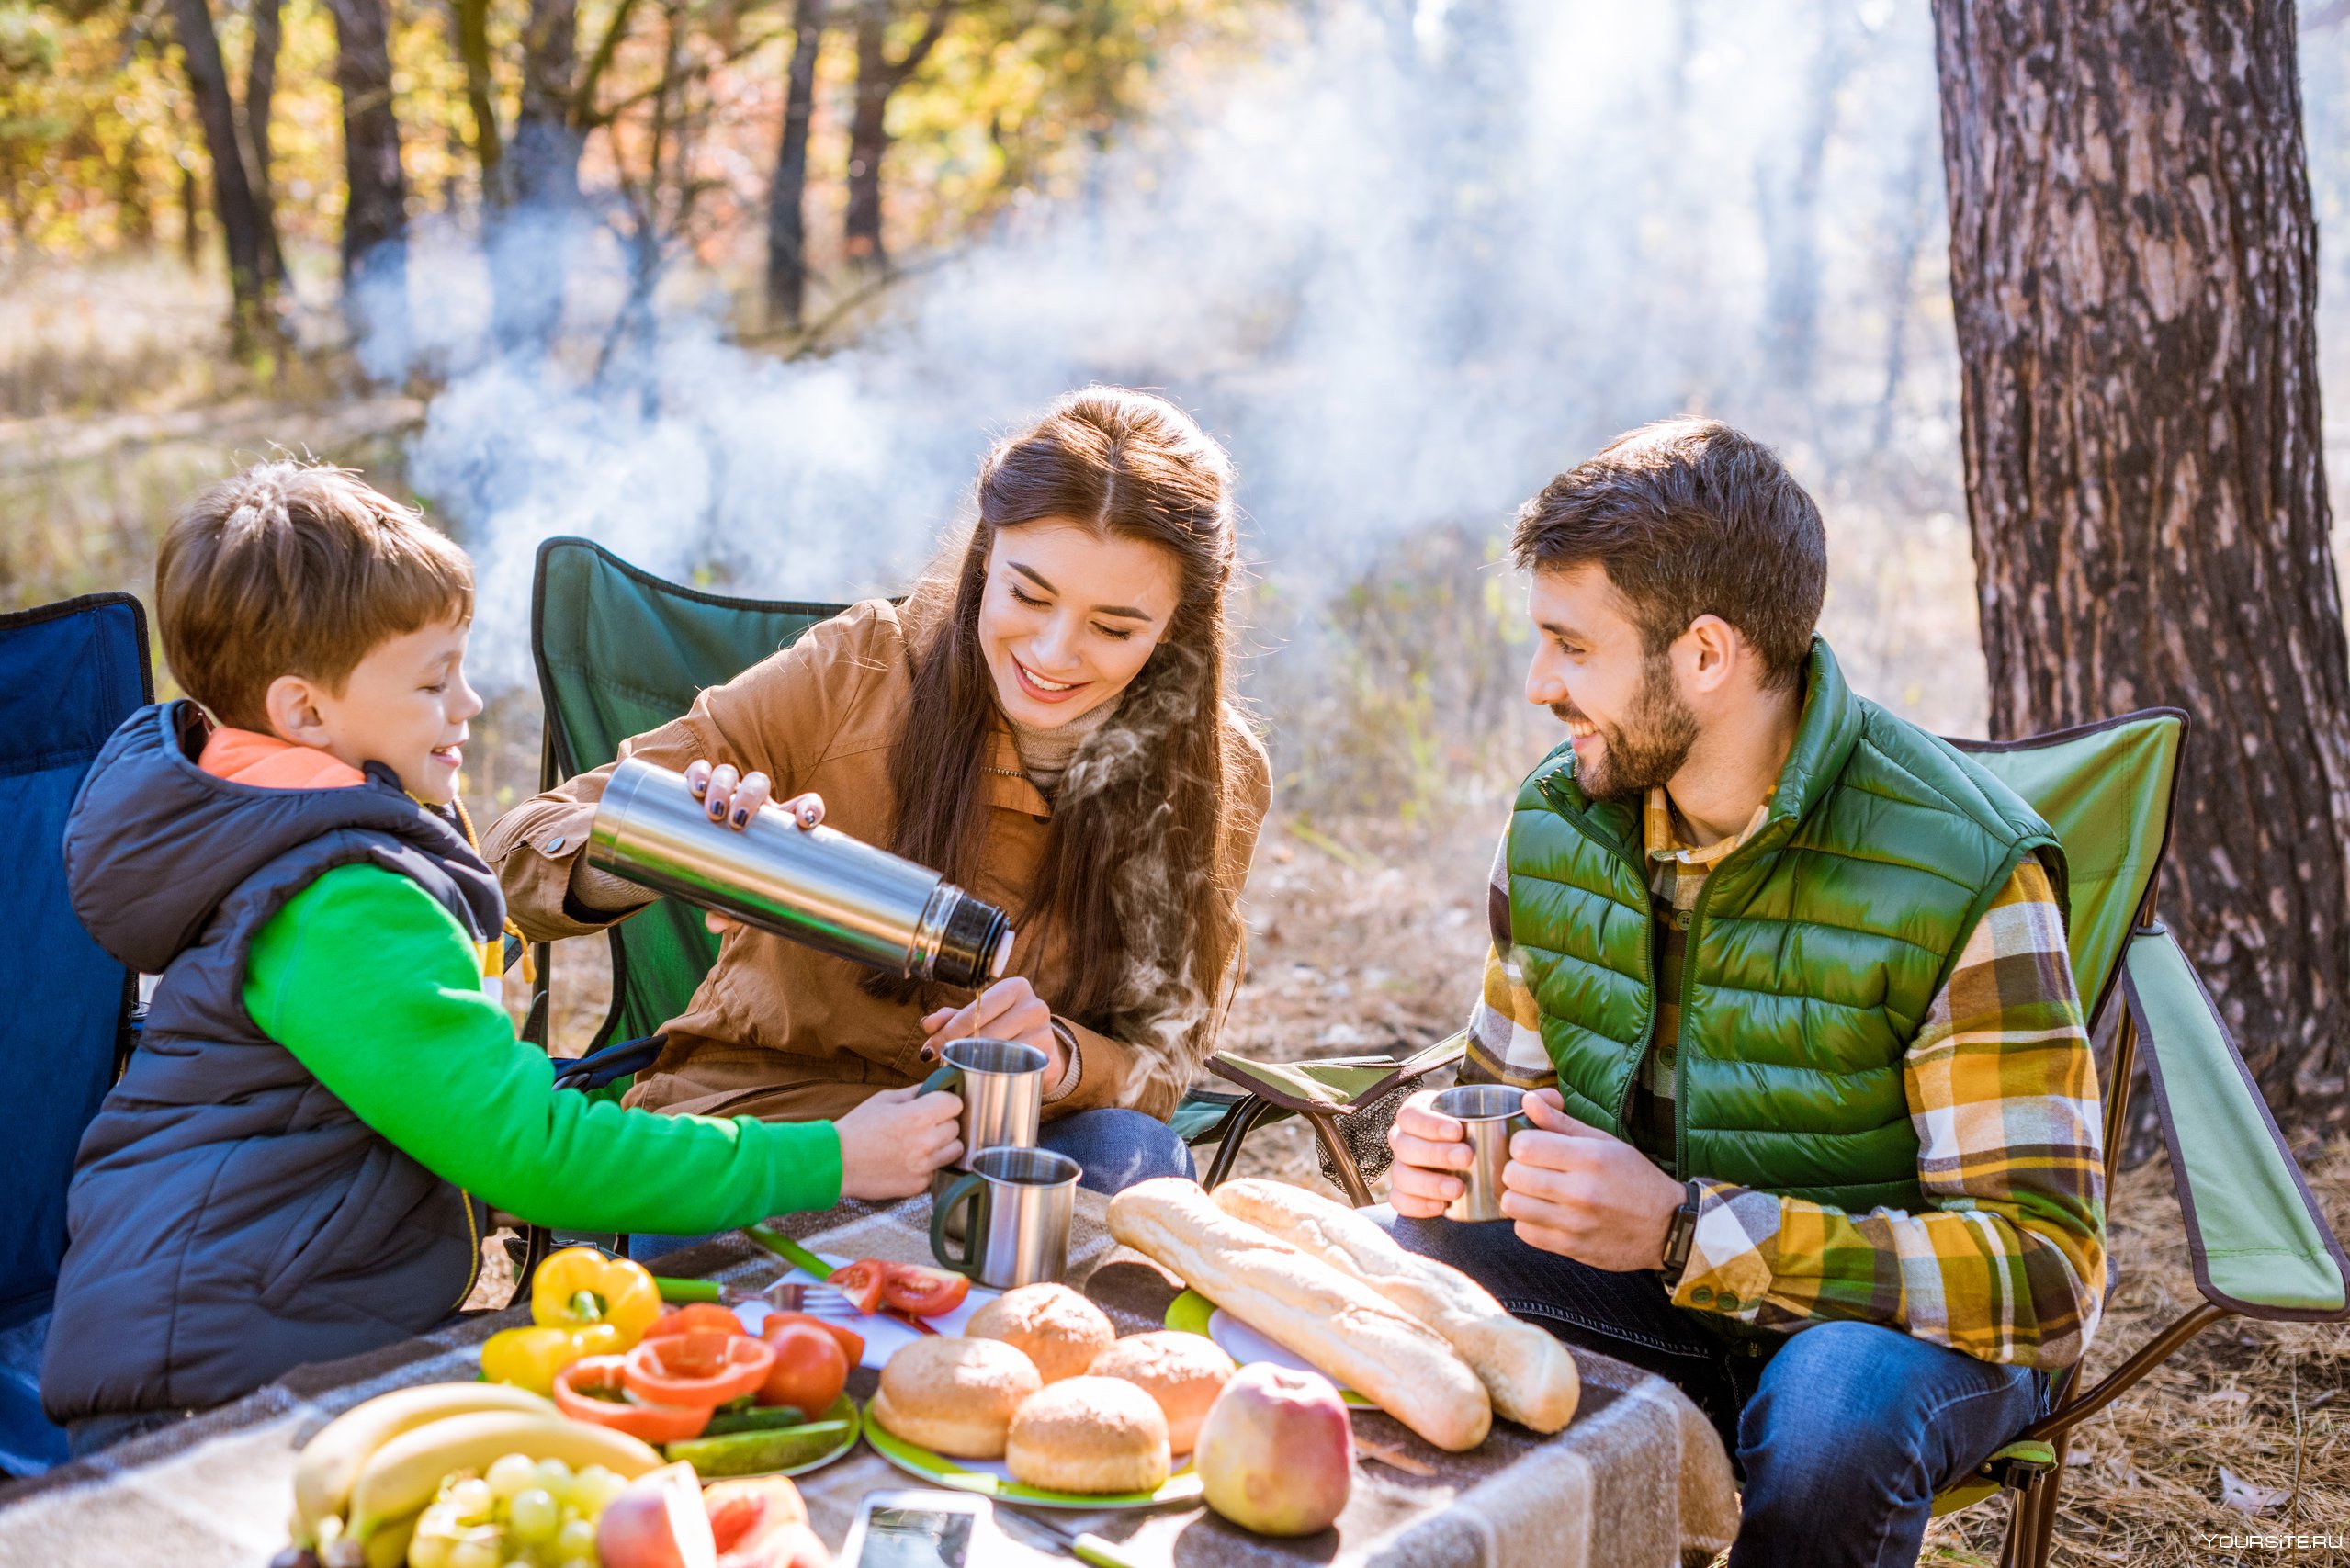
x=377 y=990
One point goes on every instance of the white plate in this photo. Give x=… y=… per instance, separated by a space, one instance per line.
x=884 y=1336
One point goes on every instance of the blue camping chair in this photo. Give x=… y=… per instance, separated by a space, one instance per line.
x=70 y=673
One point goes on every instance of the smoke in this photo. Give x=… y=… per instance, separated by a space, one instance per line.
x=1416 y=259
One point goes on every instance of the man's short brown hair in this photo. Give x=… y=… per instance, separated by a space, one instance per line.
x=292 y=569
x=1689 y=517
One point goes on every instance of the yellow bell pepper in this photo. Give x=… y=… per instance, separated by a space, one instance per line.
x=530 y=1357
x=580 y=1288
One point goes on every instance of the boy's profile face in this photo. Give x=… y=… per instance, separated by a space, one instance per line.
x=405 y=704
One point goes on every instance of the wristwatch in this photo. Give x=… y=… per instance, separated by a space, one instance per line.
x=1678 y=1231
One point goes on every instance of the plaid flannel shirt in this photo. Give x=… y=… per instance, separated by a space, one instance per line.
x=2007 y=1262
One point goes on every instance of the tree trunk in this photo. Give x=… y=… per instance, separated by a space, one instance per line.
x=482 y=98
x=207 y=81
x=2133 y=266
x=375 y=217
x=530 y=242
x=260 y=92
x=878 y=76
x=787 y=198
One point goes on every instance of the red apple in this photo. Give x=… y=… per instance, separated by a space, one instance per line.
x=657 y=1522
x=760 y=1522
x=1276 y=1452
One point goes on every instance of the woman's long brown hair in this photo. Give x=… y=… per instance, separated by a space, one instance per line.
x=1133 y=867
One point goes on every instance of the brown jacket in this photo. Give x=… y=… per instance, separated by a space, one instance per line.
x=777 y=1030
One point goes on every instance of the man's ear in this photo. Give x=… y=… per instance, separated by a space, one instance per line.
x=1712 y=655
x=291 y=706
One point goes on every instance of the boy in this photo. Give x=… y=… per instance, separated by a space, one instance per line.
x=297 y=1161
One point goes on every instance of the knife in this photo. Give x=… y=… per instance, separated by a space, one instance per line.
x=1084 y=1545
x=799 y=1256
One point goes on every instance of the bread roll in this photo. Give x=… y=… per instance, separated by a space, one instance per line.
x=1184 y=1372
x=1086 y=1434
x=1530 y=1375
x=1337 y=1322
x=953 y=1396
x=1051 y=1324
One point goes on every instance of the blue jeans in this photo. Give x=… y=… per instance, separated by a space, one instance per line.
x=1116 y=1147
x=1844 y=1431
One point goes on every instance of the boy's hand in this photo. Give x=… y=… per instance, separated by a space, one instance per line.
x=733 y=799
x=890 y=1145
x=1009 y=1009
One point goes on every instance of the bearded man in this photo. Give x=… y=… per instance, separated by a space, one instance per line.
x=1815 y=1123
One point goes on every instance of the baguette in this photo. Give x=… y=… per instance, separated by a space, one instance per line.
x=1338 y=1323
x=1529 y=1374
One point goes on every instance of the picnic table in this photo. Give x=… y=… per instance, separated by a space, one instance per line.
x=1638 y=1478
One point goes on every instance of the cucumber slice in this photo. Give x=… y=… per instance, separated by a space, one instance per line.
x=754 y=1453
x=769 y=1419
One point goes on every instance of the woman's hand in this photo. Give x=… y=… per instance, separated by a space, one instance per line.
x=890 y=1144
x=1009 y=1009
x=732 y=799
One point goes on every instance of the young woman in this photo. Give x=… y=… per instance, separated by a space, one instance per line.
x=1046 y=721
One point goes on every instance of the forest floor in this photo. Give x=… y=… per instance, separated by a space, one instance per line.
x=1367 y=937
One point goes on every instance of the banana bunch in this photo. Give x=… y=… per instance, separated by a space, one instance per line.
x=360 y=1483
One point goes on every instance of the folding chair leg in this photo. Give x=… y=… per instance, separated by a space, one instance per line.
x=2043 y=1540
x=1237 y=1128
x=1350 y=1176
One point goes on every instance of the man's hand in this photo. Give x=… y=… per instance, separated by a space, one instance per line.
x=1582 y=1194
x=1428 y=1145
x=1009 y=1009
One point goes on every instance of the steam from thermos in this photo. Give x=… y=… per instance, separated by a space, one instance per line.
x=815 y=886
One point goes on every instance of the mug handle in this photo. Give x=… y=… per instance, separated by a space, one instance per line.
x=968 y=1188
x=946 y=1077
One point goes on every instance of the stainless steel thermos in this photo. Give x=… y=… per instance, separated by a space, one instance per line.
x=815 y=886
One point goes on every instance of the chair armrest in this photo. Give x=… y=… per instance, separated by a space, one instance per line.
x=2260 y=1243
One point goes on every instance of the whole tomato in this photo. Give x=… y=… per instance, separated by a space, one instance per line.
x=809 y=1370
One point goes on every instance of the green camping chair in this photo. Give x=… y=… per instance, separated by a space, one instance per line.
x=2260 y=1244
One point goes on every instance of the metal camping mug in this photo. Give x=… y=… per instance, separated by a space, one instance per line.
x=816 y=885
x=1488 y=1114
x=1017 y=1225
x=1002 y=1085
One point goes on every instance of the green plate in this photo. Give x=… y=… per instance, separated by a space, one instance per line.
x=988 y=1479
x=1191 y=1314
x=842 y=1409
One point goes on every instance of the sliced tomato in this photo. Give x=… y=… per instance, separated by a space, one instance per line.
x=861 y=1281
x=925 y=1292
x=852 y=1343
x=594 y=1390
x=705 y=1369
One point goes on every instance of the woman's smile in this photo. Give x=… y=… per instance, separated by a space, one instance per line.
x=1041 y=690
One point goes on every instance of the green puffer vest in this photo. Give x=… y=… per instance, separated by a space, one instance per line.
x=1812 y=954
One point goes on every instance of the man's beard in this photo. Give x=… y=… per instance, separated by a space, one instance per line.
x=1648 y=748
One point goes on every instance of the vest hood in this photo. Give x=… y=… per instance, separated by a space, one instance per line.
x=155 y=844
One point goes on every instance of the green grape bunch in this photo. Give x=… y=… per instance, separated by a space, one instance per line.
x=523 y=1513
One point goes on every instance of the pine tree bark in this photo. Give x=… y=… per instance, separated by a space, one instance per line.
x=375 y=217
x=787 y=195
x=232 y=203
x=2133 y=266
x=531 y=239
x=481 y=99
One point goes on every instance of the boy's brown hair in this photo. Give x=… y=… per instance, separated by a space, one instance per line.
x=1691 y=518
x=295 y=569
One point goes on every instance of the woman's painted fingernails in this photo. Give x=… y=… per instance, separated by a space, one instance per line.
x=928 y=1053
x=740 y=816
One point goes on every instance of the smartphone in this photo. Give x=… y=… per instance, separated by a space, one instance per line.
x=923 y=1530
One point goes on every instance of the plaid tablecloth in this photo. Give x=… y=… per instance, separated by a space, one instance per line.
x=1638 y=1478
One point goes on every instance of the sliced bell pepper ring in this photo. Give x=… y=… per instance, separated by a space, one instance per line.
x=700 y=1317
x=594 y=1390
x=580 y=1286
x=923 y=1292
x=707 y=1370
